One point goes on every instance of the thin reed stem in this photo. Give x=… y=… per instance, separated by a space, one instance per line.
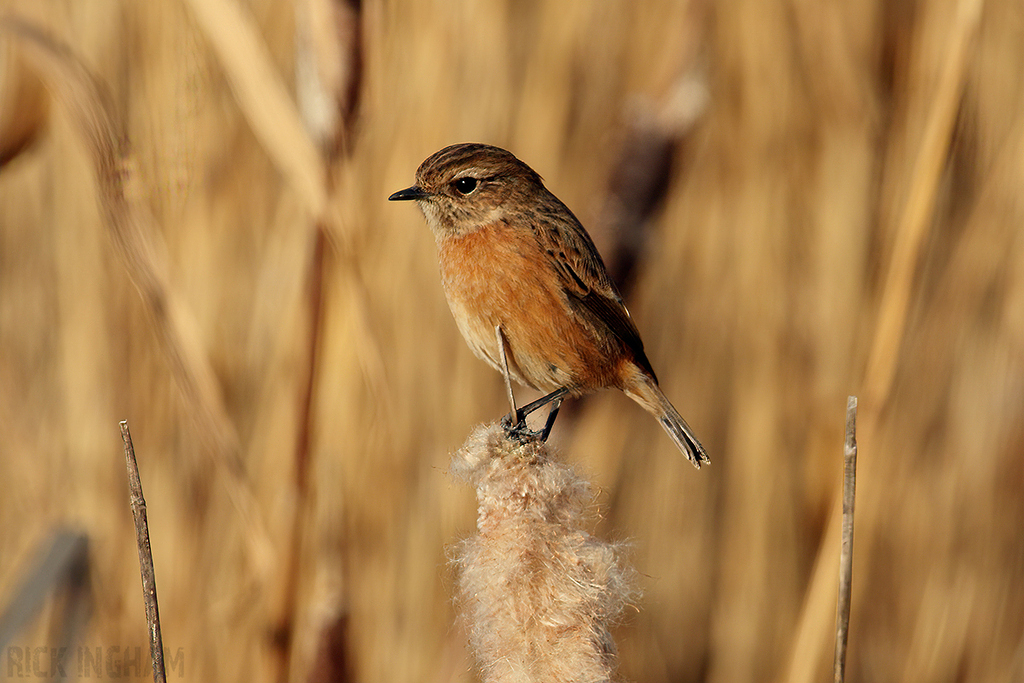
x=138 y=502
x=846 y=553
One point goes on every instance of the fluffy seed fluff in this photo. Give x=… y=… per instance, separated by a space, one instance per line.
x=537 y=592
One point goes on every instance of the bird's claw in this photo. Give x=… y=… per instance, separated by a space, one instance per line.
x=520 y=431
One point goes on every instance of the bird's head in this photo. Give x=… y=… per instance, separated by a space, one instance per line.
x=469 y=185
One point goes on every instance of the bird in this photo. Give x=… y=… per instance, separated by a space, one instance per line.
x=528 y=289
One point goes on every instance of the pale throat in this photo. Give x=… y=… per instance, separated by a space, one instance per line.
x=433 y=216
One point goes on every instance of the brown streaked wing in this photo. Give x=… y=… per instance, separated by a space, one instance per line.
x=589 y=290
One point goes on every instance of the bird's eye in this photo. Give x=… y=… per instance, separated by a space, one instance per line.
x=465 y=185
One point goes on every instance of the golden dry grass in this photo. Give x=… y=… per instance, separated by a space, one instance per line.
x=844 y=217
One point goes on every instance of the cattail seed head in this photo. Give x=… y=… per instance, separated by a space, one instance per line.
x=538 y=593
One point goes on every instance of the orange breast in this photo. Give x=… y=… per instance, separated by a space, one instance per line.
x=499 y=275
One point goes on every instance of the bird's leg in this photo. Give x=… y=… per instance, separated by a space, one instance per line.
x=555 y=405
x=503 y=351
x=515 y=421
x=520 y=430
x=556 y=395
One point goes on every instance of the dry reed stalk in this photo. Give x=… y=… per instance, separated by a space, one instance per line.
x=303 y=508
x=846 y=552
x=538 y=593
x=284 y=133
x=138 y=504
x=299 y=139
x=263 y=98
x=913 y=224
x=640 y=177
x=136 y=238
x=811 y=641
x=328 y=70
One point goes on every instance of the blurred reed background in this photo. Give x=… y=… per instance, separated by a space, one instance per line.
x=804 y=200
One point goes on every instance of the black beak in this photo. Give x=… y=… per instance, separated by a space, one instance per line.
x=407 y=194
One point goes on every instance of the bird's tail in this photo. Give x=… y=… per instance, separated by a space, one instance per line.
x=648 y=394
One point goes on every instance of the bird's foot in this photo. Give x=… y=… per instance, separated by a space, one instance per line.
x=520 y=431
